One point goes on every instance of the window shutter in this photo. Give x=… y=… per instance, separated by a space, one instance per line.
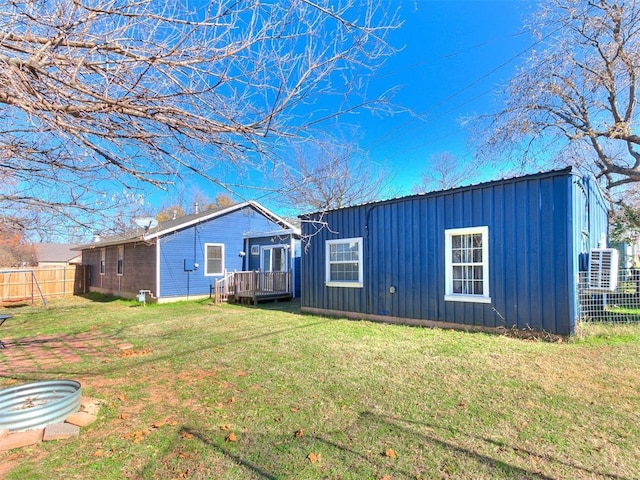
x=603 y=270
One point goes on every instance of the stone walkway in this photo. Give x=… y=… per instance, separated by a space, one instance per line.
x=43 y=352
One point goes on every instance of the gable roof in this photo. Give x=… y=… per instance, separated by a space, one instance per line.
x=169 y=226
x=54 y=252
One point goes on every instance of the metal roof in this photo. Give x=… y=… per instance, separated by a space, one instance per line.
x=447 y=191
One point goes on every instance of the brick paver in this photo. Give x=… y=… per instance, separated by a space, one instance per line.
x=60 y=431
x=46 y=352
x=21 y=439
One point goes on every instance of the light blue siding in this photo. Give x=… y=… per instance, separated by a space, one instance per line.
x=535 y=224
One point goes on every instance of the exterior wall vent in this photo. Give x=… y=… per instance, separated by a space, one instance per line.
x=603 y=270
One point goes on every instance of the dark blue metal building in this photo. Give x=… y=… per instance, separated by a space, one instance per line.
x=500 y=254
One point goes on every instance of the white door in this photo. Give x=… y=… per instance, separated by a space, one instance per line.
x=274 y=259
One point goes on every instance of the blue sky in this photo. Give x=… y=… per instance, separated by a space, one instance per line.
x=455 y=56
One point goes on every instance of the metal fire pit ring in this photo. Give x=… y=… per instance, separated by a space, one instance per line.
x=35 y=405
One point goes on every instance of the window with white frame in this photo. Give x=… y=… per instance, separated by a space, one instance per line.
x=344 y=262
x=213 y=259
x=103 y=261
x=120 y=264
x=467 y=264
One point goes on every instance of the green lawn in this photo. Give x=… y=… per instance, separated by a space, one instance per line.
x=306 y=397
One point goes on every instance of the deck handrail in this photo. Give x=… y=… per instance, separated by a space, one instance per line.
x=224 y=287
x=258 y=282
x=252 y=284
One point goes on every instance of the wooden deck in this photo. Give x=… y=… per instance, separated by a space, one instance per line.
x=253 y=287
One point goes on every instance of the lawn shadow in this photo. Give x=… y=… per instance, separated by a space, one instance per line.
x=367 y=463
x=101 y=297
x=395 y=423
x=288 y=306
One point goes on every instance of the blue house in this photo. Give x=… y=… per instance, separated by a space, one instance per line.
x=244 y=252
x=502 y=254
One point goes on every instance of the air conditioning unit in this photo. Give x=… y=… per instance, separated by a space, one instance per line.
x=603 y=270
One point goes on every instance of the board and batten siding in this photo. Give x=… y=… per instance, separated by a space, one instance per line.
x=533 y=253
x=189 y=245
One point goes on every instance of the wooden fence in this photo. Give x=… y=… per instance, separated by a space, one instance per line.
x=38 y=283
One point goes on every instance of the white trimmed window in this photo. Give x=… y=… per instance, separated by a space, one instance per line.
x=214 y=259
x=467 y=265
x=103 y=261
x=120 y=264
x=344 y=262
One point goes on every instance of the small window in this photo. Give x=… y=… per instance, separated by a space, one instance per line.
x=344 y=262
x=103 y=261
x=467 y=265
x=120 y=265
x=214 y=259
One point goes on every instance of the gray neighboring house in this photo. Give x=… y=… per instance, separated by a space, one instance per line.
x=56 y=254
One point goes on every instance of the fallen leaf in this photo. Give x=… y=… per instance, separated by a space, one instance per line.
x=386 y=477
x=98 y=453
x=122 y=397
x=391 y=453
x=299 y=433
x=225 y=427
x=294 y=410
x=231 y=438
x=123 y=416
x=231 y=400
x=137 y=435
x=314 y=457
x=242 y=374
x=462 y=405
x=183 y=455
x=186 y=435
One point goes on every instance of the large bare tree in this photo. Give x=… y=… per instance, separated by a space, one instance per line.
x=444 y=171
x=101 y=95
x=329 y=174
x=575 y=97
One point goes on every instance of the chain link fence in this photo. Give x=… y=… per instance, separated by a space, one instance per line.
x=619 y=306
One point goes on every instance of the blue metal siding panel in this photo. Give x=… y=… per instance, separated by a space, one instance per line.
x=530 y=252
x=189 y=244
x=590 y=222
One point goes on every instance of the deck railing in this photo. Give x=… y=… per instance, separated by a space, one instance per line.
x=224 y=288
x=260 y=283
x=253 y=286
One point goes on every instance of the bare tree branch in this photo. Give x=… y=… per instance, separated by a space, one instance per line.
x=100 y=93
x=444 y=171
x=330 y=174
x=579 y=91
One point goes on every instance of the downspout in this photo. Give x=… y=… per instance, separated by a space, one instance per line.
x=158 y=267
x=292 y=265
x=245 y=259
